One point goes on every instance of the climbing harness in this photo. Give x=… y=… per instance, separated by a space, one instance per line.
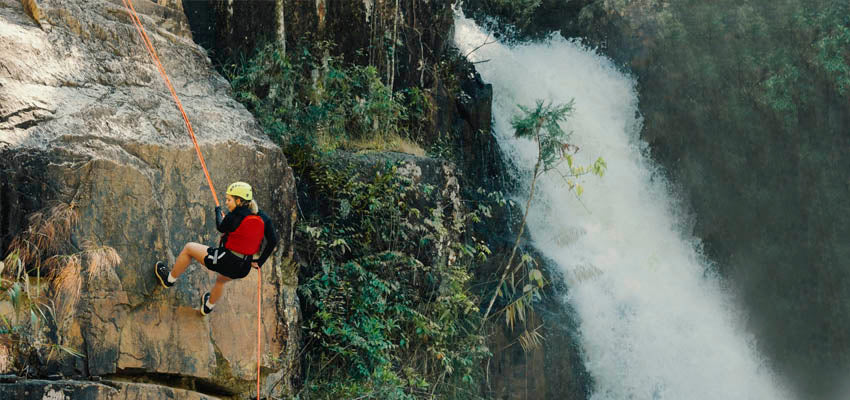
x=131 y=11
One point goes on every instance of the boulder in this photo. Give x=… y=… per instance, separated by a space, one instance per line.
x=86 y=120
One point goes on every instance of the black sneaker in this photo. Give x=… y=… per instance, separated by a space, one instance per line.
x=161 y=272
x=204 y=309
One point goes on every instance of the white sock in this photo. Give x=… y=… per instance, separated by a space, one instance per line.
x=171 y=279
x=209 y=305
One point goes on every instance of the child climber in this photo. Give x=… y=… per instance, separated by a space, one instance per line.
x=243 y=231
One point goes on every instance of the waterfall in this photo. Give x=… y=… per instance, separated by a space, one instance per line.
x=655 y=323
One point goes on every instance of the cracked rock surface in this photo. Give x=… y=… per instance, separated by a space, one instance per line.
x=85 y=116
x=82 y=390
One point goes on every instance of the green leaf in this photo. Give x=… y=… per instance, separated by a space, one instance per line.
x=15 y=295
x=537 y=276
x=340 y=243
x=71 y=351
x=599 y=167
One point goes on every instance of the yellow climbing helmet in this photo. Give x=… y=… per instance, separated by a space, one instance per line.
x=240 y=189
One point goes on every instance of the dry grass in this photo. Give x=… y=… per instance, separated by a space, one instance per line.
x=531 y=340
x=386 y=143
x=45 y=244
x=48 y=232
x=67 y=274
x=67 y=285
x=12 y=265
x=99 y=258
x=21 y=252
x=382 y=142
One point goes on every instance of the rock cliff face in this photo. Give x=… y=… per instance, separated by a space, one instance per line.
x=85 y=120
x=407 y=42
x=83 y=390
x=363 y=31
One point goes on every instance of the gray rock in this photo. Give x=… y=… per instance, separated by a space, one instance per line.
x=85 y=119
x=82 y=390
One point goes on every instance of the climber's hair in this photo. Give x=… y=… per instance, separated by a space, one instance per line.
x=252 y=204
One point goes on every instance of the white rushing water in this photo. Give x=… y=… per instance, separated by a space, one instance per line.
x=653 y=323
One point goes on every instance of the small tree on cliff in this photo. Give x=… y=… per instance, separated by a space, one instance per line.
x=542 y=124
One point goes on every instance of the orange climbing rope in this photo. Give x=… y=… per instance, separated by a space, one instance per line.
x=149 y=46
x=259 y=303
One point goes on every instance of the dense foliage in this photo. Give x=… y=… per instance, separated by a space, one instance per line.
x=386 y=265
x=309 y=98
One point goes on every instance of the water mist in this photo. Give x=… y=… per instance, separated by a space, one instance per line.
x=654 y=321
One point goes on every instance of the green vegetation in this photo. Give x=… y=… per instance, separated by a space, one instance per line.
x=308 y=98
x=386 y=264
x=541 y=124
x=778 y=54
x=778 y=57
x=385 y=282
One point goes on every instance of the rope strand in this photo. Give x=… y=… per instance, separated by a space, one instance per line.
x=259 y=310
x=128 y=4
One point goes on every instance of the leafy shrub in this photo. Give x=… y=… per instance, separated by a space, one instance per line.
x=385 y=286
x=307 y=97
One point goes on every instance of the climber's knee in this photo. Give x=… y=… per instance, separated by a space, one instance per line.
x=195 y=250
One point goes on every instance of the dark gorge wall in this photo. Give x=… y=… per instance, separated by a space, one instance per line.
x=406 y=42
x=754 y=132
x=403 y=39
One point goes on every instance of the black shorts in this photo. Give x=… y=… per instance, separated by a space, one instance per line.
x=224 y=262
